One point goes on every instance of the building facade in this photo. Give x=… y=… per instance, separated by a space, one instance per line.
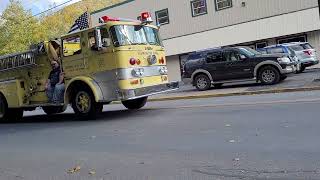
x=191 y=25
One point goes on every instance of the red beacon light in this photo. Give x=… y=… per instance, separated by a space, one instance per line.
x=146 y=18
x=105 y=19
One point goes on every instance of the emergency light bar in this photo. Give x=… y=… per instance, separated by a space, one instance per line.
x=145 y=19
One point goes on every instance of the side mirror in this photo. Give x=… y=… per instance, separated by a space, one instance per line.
x=97 y=36
x=242 y=57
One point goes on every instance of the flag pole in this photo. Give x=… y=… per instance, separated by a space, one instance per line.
x=89 y=17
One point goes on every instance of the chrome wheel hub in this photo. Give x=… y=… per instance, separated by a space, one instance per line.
x=83 y=102
x=202 y=83
x=268 y=76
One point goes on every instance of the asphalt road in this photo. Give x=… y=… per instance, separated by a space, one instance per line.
x=272 y=136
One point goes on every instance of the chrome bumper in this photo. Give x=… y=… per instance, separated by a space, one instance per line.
x=147 y=91
x=288 y=69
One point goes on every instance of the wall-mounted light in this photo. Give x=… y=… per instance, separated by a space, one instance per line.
x=243 y=4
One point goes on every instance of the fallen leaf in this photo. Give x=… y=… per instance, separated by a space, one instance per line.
x=92 y=172
x=236 y=159
x=75 y=169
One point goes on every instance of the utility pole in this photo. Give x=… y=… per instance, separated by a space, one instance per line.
x=319 y=7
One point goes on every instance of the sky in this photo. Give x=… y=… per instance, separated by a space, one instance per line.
x=36 y=6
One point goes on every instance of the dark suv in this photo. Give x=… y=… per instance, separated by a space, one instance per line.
x=235 y=64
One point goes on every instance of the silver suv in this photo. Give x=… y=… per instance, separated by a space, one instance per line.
x=305 y=53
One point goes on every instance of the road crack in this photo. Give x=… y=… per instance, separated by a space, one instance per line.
x=248 y=173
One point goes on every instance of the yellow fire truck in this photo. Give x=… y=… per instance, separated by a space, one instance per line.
x=118 y=60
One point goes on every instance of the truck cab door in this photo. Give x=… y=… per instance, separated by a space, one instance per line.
x=74 y=56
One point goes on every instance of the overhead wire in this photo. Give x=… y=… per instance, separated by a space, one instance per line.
x=56 y=6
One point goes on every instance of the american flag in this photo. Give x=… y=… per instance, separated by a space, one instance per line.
x=81 y=23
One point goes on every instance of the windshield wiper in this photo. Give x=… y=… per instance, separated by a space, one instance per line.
x=141 y=43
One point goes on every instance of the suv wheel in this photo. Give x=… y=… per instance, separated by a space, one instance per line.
x=269 y=75
x=202 y=82
x=302 y=68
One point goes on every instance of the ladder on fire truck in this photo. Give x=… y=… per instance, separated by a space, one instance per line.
x=17 y=61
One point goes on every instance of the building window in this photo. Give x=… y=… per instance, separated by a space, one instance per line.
x=162 y=17
x=260 y=45
x=223 y=4
x=198 y=7
x=302 y=38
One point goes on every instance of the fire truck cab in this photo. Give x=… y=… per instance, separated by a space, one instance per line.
x=118 y=60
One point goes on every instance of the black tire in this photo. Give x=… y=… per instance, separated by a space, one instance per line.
x=15 y=114
x=217 y=86
x=269 y=75
x=303 y=68
x=283 y=77
x=298 y=68
x=50 y=110
x=202 y=82
x=135 y=103
x=9 y=114
x=84 y=105
x=3 y=109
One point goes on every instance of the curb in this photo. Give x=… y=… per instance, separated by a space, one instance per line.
x=284 y=90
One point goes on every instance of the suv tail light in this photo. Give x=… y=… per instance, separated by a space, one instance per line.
x=308 y=52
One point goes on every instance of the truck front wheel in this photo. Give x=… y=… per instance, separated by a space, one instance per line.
x=84 y=105
x=135 y=103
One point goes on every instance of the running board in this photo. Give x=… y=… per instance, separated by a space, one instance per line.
x=234 y=81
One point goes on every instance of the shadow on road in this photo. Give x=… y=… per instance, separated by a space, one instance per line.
x=70 y=117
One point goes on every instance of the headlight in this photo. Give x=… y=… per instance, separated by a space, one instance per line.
x=163 y=70
x=138 y=72
x=284 y=60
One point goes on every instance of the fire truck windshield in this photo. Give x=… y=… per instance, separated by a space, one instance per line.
x=134 y=35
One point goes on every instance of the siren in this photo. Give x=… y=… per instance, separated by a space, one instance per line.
x=146 y=17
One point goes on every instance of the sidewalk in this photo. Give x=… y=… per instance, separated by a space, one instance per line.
x=307 y=81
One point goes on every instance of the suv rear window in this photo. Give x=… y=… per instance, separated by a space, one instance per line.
x=214 y=57
x=307 y=46
x=276 y=50
x=194 y=56
x=297 y=48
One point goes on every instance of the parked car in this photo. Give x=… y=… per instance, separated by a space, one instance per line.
x=235 y=64
x=283 y=50
x=304 y=52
